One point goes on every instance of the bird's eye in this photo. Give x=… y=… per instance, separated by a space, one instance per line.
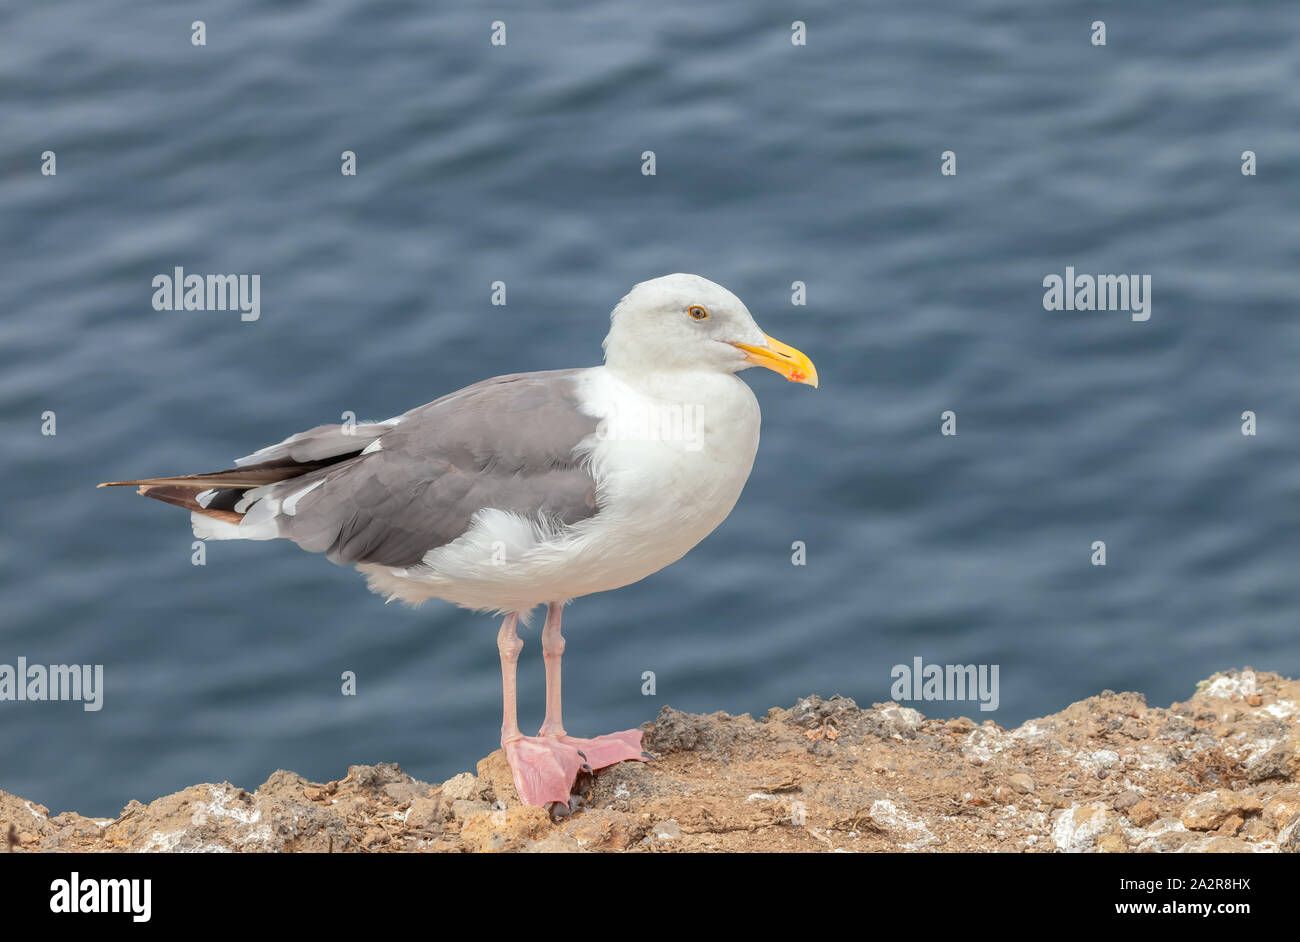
x=697 y=312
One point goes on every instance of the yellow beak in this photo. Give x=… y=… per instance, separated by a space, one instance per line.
x=783 y=358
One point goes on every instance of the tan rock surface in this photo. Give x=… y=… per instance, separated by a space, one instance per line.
x=1217 y=773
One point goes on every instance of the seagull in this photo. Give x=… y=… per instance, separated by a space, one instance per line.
x=527 y=489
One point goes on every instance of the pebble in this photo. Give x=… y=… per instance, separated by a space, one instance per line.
x=1142 y=814
x=1127 y=800
x=463 y=808
x=460 y=787
x=1208 y=811
x=1021 y=782
x=668 y=830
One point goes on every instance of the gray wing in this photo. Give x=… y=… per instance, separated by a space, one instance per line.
x=319 y=444
x=506 y=443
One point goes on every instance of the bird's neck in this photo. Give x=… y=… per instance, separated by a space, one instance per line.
x=678 y=385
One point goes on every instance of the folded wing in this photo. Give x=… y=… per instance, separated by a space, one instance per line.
x=389 y=492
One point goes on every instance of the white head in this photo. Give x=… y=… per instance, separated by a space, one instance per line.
x=685 y=322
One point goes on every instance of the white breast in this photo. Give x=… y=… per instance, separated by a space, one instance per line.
x=670 y=465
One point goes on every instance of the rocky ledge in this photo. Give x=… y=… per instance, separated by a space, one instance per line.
x=1217 y=773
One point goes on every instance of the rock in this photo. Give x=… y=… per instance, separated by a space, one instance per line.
x=605 y=829
x=463 y=786
x=1021 y=783
x=713 y=734
x=1288 y=838
x=668 y=830
x=1080 y=828
x=400 y=792
x=369 y=777
x=1281 y=807
x=554 y=844
x=1165 y=836
x=1142 y=813
x=1210 y=810
x=463 y=808
x=1126 y=800
x=511 y=829
x=898 y=720
x=1231 y=826
x=73 y=829
x=906 y=830
x=22 y=822
x=1104 y=759
x=1257 y=831
x=496 y=783
x=1216 y=845
x=425 y=814
x=1111 y=844
x=1280 y=762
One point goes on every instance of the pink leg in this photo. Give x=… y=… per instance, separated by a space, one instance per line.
x=599 y=752
x=544 y=768
x=509 y=644
x=543 y=771
x=552 y=651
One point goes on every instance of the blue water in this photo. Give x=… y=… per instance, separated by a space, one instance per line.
x=522 y=164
